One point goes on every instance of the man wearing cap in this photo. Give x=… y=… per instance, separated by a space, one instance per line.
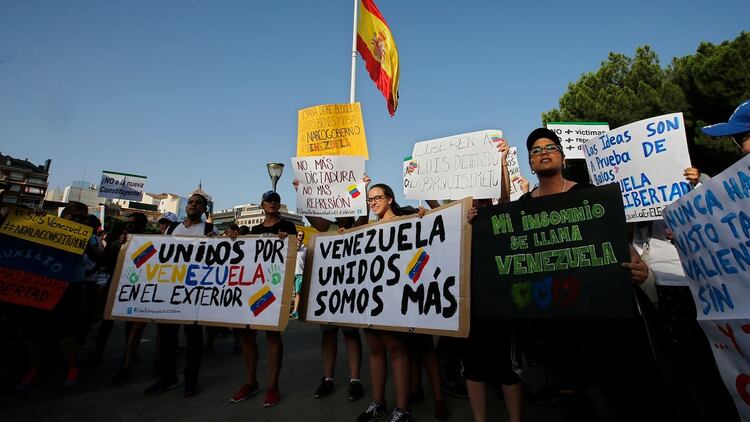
x=166 y=220
x=737 y=128
x=272 y=224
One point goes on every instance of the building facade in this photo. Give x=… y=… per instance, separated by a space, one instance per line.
x=22 y=182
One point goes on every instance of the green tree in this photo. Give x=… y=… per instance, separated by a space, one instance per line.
x=706 y=87
x=715 y=80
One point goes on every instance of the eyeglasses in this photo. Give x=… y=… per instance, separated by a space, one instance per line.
x=549 y=149
x=376 y=198
x=740 y=138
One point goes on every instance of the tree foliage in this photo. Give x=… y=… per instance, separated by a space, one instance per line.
x=706 y=86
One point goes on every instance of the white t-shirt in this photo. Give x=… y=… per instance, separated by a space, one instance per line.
x=301 y=254
x=196 y=230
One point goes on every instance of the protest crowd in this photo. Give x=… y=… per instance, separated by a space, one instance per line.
x=628 y=350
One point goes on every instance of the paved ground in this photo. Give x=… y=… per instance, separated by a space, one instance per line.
x=96 y=399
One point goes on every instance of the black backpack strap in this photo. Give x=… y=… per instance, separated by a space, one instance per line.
x=173 y=225
x=208 y=228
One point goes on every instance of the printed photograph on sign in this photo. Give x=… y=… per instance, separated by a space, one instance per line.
x=331 y=129
x=455 y=167
x=216 y=281
x=574 y=134
x=330 y=185
x=405 y=274
x=647 y=159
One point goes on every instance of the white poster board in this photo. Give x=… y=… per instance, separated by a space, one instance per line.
x=115 y=185
x=404 y=274
x=730 y=343
x=574 y=134
x=647 y=159
x=514 y=172
x=216 y=281
x=455 y=167
x=330 y=185
x=711 y=230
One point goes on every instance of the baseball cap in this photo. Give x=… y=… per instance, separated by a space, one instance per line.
x=271 y=196
x=540 y=133
x=168 y=216
x=739 y=122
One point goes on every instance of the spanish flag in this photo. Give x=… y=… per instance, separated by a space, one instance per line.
x=378 y=48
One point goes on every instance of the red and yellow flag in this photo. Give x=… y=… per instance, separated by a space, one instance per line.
x=378 y=48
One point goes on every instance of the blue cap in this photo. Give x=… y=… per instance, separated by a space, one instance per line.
x=270 y=196
x=738 y=123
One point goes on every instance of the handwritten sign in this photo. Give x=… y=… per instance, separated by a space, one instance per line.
x=214 y=281
x=552 y=257
x=331 y=129
x=404 y=274
x=575 y=134
x=121 y=186
x=647 y=159
x=455 y=167
x=514 y=172
x=38 y=256
x=330 y=185
x=730 y=343
x=711 y=230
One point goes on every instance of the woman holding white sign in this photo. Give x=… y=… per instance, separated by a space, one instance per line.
x=382 y=202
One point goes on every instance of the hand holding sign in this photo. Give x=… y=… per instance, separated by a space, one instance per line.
x=638 y=268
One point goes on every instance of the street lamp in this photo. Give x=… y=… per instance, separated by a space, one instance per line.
x=274 y=171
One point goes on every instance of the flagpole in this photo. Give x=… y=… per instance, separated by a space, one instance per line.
x=354 y=53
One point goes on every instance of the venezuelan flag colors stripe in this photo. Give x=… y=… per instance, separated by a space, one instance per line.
x=353 y=191
x=417 y=264
x=262 y=299
x=142 y=254
x=378 y=49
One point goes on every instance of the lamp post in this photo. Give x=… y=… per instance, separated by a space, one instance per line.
x=274 y=172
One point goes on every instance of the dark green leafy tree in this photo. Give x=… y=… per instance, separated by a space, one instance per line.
x=706 y=87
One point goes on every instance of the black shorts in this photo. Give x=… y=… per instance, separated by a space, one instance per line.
x=490 y=353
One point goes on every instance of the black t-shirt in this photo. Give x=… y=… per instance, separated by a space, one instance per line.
x=526 y=196
x=282 y=226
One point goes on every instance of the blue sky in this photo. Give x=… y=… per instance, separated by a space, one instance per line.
x=182 y=91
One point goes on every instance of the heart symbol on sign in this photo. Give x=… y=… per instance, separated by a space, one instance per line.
x=521 y=293
x=565 y=292
x=617 y=169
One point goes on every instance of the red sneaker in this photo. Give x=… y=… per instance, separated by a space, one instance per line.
x=28 y=380
x=244 y=393
x=272 y=397
x=71 y=381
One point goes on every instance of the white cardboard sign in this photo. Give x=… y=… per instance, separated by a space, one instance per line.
x=711 y=231
x=216 y=281
x=455 y=167
x=405 y=274
x=330 y=185
x=121 y=186
x=574 y=134
x=647 y=159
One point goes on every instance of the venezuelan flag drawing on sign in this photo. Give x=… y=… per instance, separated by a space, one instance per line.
x=378 y=49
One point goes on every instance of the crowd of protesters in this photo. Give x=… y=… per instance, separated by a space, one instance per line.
x=641 y=369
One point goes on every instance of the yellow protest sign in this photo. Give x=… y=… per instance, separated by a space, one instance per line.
x=331 y=129
x=47 y=230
